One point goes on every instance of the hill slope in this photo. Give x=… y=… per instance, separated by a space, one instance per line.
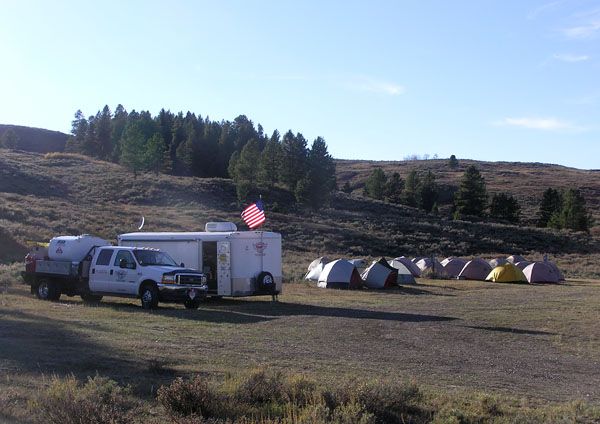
x=37 y=139
x=45 y=195
x=525 y=181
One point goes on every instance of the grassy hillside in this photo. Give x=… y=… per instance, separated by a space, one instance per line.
x=525 y=181
x=45 y=195
x=37 y=139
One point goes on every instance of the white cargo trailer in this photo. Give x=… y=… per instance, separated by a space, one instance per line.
x=236 y=263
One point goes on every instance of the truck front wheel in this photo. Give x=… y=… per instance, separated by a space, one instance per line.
x=149 y=296
x=47 y=290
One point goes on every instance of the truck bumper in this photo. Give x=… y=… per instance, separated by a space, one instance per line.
x=178 y=293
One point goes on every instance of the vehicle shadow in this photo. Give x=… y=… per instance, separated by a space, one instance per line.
x=512 y=330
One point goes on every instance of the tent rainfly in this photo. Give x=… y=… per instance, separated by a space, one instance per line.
x=315 y=268
x=552 y=265
x=507 y=273
x=380 y=275
x=476 y=269
x=431 y=265
x=453 y=266
x=514 y=259
x=521 y=265
x=539 y=272
x=414 y=269
x=497 y=262
x=339 y=274
x=404 y=274
x=360 y=264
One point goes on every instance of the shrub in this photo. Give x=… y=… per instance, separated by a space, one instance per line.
x=100 y=400
x=261 y=387
x=190 y=398
x=300 y=391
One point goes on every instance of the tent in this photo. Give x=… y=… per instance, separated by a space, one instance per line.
x=552 y=265
x=507 y=273
x=476 y=269
x=417 y=259
x=521 y=265
x=432 y=267
x=380 y=275
x=404 y=274
x=360 y=264
x=497 y=262
x=315 y=268
x=539 y=272
x=453 y=266
x=513 y=259
x=339 y=274
x=414 y=270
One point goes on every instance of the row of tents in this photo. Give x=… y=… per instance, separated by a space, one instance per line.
x=382 y=273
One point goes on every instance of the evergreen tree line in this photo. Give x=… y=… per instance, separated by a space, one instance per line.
x=565 y=209
x=191 y=145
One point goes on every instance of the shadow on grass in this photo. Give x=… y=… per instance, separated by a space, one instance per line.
x=512 y=330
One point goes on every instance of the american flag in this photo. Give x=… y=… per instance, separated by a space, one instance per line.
x=254 y=215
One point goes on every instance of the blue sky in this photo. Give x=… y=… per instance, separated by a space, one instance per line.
x=488 y=80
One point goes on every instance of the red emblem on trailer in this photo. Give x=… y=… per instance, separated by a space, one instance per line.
x=260 y=246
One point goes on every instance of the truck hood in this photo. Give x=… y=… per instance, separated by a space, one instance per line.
x=172 y=270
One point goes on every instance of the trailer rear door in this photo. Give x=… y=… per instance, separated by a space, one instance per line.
x=224 y=268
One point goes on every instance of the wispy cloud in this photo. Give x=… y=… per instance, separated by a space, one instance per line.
x=571 y=58
x=371 y=85
x=545 y=8
x=544 y=124
x=587 y=27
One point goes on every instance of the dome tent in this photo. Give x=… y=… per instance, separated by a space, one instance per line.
x=315 y=268
x=539 y=272
x=453 y=266
x=380 y=275
x=513 y=259
x=552 y=265
x=339 y=274
x=476 y=269
x=521 y=265
x=360 y=264
x=497 y=262
x=431 y=266
x=404 y=274
x=414 y=269
x=507 y=273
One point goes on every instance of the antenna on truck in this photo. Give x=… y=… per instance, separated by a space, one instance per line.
x=142 y=223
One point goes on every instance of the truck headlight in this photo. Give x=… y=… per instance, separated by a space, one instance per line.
x=169 y=279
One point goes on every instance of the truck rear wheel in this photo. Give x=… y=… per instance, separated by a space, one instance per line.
x=47 y=290
x=149 y=296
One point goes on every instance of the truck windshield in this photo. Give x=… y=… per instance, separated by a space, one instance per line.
x=153 y=257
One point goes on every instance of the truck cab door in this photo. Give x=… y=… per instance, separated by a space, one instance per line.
x=123 y=279
x=99 y=280
x=224 y=268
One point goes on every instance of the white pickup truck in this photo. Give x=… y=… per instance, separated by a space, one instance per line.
x=148 y=274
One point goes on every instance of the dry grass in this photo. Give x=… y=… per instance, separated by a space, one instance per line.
x=456 y=339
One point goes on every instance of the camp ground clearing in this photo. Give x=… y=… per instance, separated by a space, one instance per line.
x=540 y=343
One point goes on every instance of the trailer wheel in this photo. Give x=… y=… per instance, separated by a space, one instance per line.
x=266 y=282
x=149 y=296
x=91 y=298
x=47 y=290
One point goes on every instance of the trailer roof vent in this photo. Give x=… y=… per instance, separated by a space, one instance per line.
x=213 y=227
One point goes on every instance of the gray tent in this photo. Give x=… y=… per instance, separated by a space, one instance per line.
x=514 y=259
x=404 y=274
x=453 y=266
x=497 y=262
x=340 y=274
x=315 y=268
x=476 y=269
x=380 y=275
x=414 y=269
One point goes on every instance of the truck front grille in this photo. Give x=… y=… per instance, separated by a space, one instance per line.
x=190 y=279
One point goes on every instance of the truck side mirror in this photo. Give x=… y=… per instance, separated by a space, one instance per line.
x=123 y=263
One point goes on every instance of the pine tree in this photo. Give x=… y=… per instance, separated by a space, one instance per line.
x=453 y=162
x=410 y=197
x=104 y=133
x=471 y=197
x=268 y=163
x=427 y=192
x=320 y=178
x=376 y=184
x=133 y=148
x=154 y=153
x=505 y=207
x=574 y=214
x=393 y=188
x=292 y=164
x=550 y=205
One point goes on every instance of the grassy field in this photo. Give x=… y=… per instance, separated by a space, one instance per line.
x=532 y=346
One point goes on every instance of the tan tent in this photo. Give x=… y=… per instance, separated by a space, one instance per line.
x=453 y=266
x=429 y=264
x=315 y=268
x=339 y=274
x=507 y=273
x=476 y=269
x=380 y=275
x=513 y=259
x=404 y=274
x=414 y=269
x=539 y=272
x=497 y=262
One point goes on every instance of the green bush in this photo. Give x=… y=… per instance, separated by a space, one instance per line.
x=99 y=401
x=261 y=387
